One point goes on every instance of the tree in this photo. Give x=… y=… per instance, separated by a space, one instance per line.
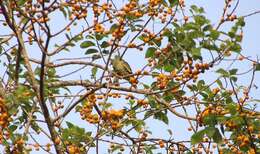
x=59 y=92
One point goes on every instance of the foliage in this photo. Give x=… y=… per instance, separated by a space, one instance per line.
x=63 y=82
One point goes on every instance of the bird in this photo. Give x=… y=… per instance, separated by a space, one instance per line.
x=121 y=67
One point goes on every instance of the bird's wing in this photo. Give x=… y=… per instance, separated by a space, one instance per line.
x=127 y=67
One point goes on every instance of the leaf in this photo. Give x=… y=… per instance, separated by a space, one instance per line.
x=233 y=78
x=168 y=68
x=105 y=51
x=233 y=71
x=63 y=12
x=87 y=44
x=201 y=20
x=197 y=137
x=90 y=51
x=100 y=36
x=12 y=128
x=241 y=22
x=162 y=117
x=257 y=67
x=94 y=72
x=104 y=44
x=217 y=136
x=21 y=2
x=150 y=52
x=223 y=72
x=207 y=28
x=219 y=83
x=232 y=108
x=214 y=34
x=196 y=52
x=210 y=131
x=69 y=124
x=172 y=2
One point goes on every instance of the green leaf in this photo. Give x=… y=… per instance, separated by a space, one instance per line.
x=94 y=72
x=12 y=128
x=241 y=22
x=214 y=34
x=150 y=52
x=219 y=83
x=104 y=44
x=232 y=108
x=90 y=51
x=217 y=136
x=63 y=12
x=196 y=9
x=21 y=2
x=173 y=2
x=207 y=28
x=197 y=137
x=210 y=131
x=223 y=72
x=162 y=117
x=231 y=34
x=100 y=36
x=201 y=20
x=196 y=52
x=233 y=78
x=233 y=71
x=69 y=124
x=257 y=67
x=87 y=44
x=168 y=68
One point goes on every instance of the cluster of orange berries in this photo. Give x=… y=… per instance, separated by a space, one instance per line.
x=216 y=110
x=78 y=11
x=73 y=149
x=162 y=81
x=106 y=7
x=161 y=12
x=18 y=146
x=243 y=140
x=86 y=110
x=98 y=28
x=118 y=32
x=153 y=3
x=148 y=36
x=113 y=117
x=192 y=72
x=129 y=7
x=142 y=102
x=188 y=73
x=4 y=119
x=133 y=81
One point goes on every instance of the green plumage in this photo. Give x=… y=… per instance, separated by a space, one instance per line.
x=121 y=67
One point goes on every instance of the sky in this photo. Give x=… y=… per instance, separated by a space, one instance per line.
x=213 y=10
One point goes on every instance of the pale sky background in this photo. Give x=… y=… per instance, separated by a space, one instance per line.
x=213 y=10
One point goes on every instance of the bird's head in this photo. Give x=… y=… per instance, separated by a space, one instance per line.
x=116 y=59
